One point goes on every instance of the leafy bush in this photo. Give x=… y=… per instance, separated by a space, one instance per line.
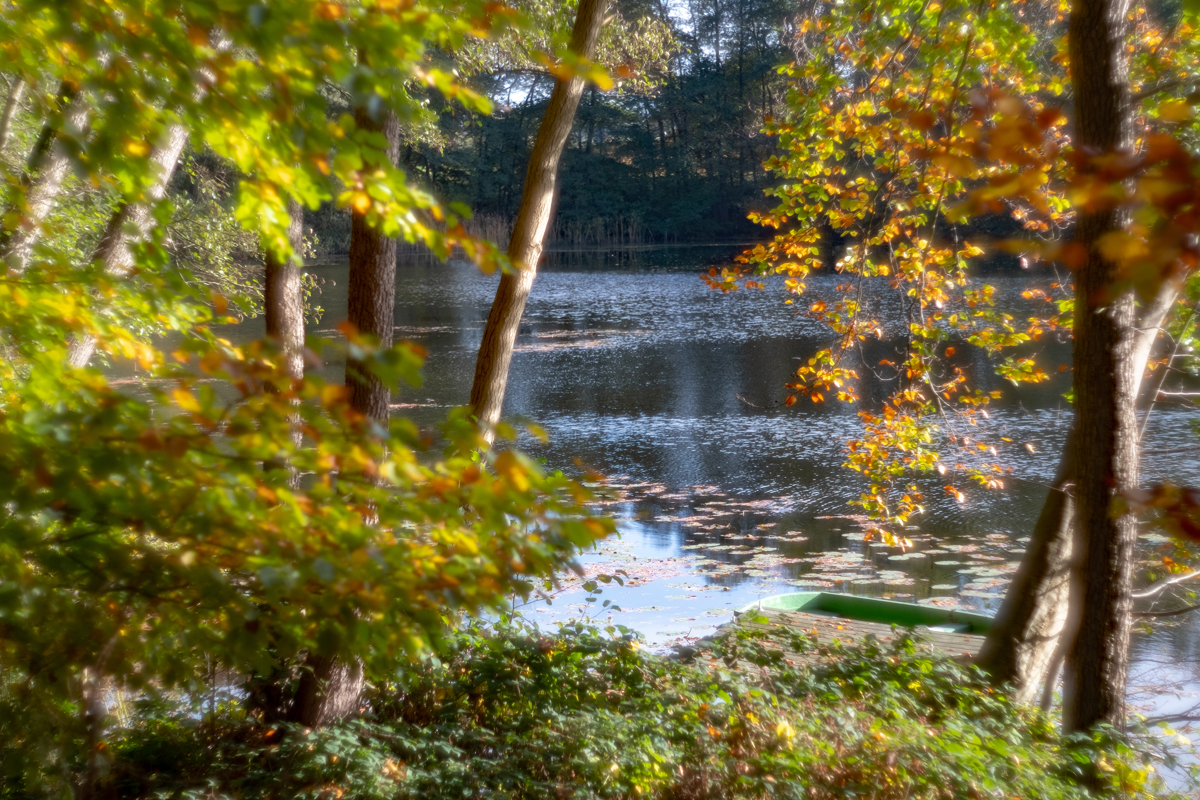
x=513 y=713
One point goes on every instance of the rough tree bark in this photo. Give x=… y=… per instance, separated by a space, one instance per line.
x=329 y=687
x=131 y=222
x=328 y=692
x=529 y=231
x=371 y=303
x=44 y=174
x=1106 y=444
x=283 y=305
x=1031 y=632
x=1022 y=644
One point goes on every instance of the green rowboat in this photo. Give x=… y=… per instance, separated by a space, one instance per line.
x=870 y=609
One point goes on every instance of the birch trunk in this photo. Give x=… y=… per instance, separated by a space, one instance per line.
x=283 y=296
x=283 y=305
x=47 y=169
x=529 y=231
x=134 y=221
x=10 y=109
x=130 y=223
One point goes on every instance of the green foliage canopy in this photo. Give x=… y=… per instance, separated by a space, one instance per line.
x=142 y=541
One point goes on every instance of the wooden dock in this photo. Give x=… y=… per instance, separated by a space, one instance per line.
x=830 y=629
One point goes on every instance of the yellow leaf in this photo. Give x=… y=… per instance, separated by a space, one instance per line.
x=1176 y=111
x=333 y=394
x=186 y=400
x=512 y=471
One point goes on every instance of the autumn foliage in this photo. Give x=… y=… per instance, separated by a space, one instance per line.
x=920 y=139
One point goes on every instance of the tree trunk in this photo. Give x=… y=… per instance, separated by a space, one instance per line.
x=1106 y=447
x=371 y=302
x=330 y=687
x=283 y=305
x=46 y=171
x=1023 y=642
x=328 y=692
x=1032 y=630
x=115 y=251
x=10 y=109
x=283 y=297
x=1021 y=648
x=529 y=231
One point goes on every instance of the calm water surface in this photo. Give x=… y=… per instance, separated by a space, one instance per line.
x=723 y=495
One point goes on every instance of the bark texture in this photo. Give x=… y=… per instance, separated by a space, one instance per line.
x=1106 y=441
x=1032 y=630
x=1022 y=644
x=330 y=686
x=329 y=691
x=283 y=296
x=529 y=231
x=283 y=302
x=130 y=223
x=371 y=303
x=47 y=169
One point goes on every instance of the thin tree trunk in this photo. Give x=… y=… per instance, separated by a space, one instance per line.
x=115 y=251
x=329 y=687
x=283 y=296
x=1106 y=447
x=283 y=305
x=371 y=304
x=1021 y=645
x=529 y=231
x=47 y=169
x=10 y=109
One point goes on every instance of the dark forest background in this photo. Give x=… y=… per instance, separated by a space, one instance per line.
x=679 y=162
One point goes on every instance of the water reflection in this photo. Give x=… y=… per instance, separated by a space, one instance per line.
x=724 y=495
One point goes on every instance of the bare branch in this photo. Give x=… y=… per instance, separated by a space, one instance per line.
x=1175 y=613
x=1157 y=588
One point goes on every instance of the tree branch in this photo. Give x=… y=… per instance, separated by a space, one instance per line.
x=1157 y=588
x=1175 y=613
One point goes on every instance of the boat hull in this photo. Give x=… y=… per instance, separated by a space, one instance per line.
x=870 y=609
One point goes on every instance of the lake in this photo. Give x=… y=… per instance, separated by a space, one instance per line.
x=674 y=392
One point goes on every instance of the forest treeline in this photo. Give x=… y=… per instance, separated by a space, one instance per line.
x=678 y=160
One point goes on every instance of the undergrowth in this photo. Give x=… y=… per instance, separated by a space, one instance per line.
x=512 y=713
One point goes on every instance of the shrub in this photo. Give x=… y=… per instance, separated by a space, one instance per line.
x=510 y=712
